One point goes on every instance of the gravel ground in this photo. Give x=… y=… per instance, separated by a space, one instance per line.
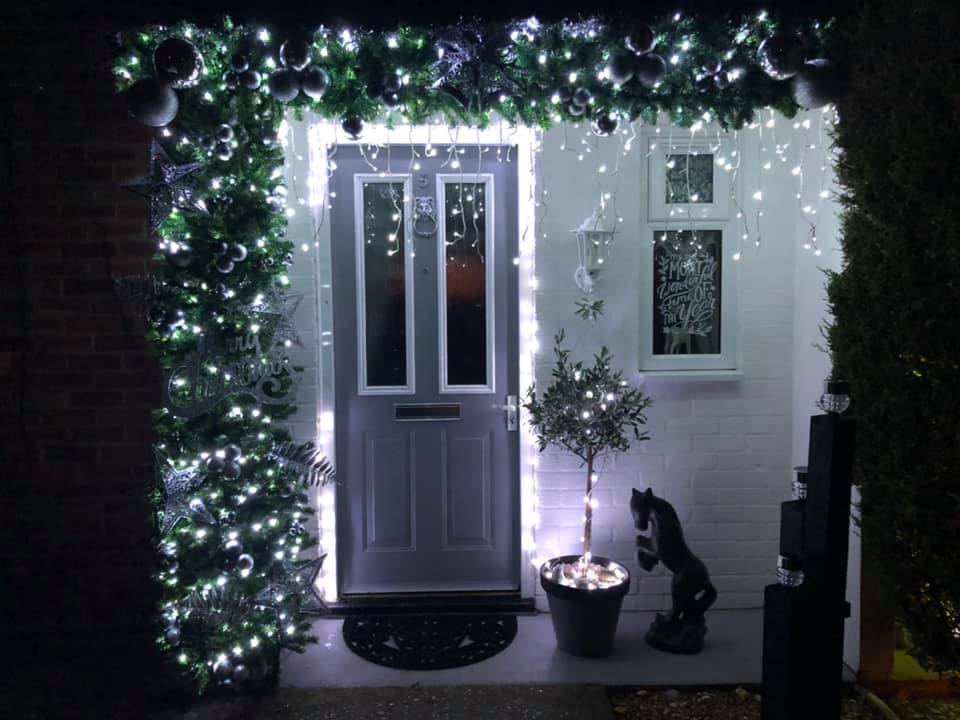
x=930 y=710
x=709 y=704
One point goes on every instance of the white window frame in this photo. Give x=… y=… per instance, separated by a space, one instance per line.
x=681 y=142
x=359 y=180
x=487 y=180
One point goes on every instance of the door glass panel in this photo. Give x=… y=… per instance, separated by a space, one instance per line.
x=384 y=283
x=689 y=178
x=686 y=292
x=465 y=254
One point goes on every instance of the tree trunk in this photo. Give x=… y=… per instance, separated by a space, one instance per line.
x=588 y=509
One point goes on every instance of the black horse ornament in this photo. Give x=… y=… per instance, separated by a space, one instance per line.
x=683 y=628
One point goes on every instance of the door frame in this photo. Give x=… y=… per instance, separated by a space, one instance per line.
x=310 y=146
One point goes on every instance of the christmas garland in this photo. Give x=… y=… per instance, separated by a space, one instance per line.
x=232 y=488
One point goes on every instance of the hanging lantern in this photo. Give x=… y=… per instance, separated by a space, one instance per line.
x=594 y=237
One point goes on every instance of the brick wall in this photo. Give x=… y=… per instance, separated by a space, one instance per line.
x=79 y=381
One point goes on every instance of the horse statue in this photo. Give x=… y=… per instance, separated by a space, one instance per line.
x=683 y=628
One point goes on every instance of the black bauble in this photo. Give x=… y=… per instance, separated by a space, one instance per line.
x=284 y=84
x=224 y=264
x=581 y=96
x=219 y=248
x=270 y=138
x=158 y=314
x=231 y=81
x=238 y=253
x=224 y=133
x=818 y=83
x=390 y=99
x=576 y=110
x=181 y=259
x=207 y=142
x=620 y=68
x=250 y=79
x=231 y=470
x=352 y=126
x=215 y=464
x=239 y=62
x=232 y=451
x=781 y=56
x=605 y=123
x=392 y=83
x=178 y=63
x=641 y=39
x=152 y=103
x=722 y=79
x=295 y=53
x=565 y=93
x=314 y=82
x=223 y=151
x=233 y=549
x=650 y=69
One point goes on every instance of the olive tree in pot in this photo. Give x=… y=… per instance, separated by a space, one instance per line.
x=590 y=411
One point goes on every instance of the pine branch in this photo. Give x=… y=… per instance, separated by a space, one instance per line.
x=305 y=460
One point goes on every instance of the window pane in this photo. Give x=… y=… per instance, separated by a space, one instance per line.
x=466 y=283
x=384 y=284
x=689 y=178
x=686 y=292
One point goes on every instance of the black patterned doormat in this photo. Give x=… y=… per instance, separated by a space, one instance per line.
x=428 y=642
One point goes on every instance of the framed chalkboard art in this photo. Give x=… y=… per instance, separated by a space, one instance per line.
x=688 y=302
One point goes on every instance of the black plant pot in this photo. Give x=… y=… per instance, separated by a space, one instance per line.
x=584 y=621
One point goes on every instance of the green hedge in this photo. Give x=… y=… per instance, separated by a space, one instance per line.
x=896 y=333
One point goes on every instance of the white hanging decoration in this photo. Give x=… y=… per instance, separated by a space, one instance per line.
x=594 y=237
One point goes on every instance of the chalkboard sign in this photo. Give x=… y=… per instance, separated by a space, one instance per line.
x=686 y=292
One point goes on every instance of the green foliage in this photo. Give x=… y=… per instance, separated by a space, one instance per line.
x=267 y=507
x=895 y=334
x=534 y=61
x=589 y=309
x=587 y=410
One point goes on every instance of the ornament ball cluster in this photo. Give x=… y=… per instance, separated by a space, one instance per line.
x=816 y=82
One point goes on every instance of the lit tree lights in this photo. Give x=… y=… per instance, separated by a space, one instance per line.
x=232 y=489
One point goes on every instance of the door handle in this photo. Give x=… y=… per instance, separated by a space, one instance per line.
x=511 y=409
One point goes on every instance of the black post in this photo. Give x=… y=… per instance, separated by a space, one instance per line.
x=803 y=625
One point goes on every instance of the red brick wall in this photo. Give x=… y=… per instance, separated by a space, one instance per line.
x=78 y=380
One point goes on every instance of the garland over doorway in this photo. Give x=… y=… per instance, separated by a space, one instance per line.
x=232 y=488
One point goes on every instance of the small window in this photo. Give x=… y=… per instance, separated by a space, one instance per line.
x=688 y=179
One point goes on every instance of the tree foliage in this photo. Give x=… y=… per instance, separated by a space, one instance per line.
x=896 y=333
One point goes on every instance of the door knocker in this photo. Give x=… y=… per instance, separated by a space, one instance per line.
x=425 y=210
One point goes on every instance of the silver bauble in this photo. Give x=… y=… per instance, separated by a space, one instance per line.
x=250 y=79
x=172 y=635
x=781 y=56
x=817 y=84
x=314 y=82
x=152 y=103
x=641 y=39
x=241 y=673
x=245 y=563
x=178 y=63
x=284 y=84
x=295 y=53
x=620 y=68
x=222 y=669
x=650 y=69
x=233 y=451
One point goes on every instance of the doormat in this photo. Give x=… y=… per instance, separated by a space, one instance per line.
x=428 y=642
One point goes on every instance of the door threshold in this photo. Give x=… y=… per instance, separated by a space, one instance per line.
x=459 y=603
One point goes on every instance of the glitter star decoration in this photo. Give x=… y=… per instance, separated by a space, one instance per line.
x=168 y=186
x=475 y=67
x=179 y=500
x=293 y=582
x=281 y=307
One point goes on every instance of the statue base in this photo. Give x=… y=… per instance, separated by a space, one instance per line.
x=676 y=637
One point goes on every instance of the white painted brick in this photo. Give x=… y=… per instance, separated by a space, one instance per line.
x=735 y=479
x=779 y=443
x=692 y=461
x=741 y=531
x=751 y=461
x=717 y=443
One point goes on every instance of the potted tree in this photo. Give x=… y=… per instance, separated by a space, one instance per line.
x=589 y=411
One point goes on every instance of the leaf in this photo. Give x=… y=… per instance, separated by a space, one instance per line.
x=305 y=460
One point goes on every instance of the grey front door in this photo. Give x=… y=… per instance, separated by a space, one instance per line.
x=425 y=341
